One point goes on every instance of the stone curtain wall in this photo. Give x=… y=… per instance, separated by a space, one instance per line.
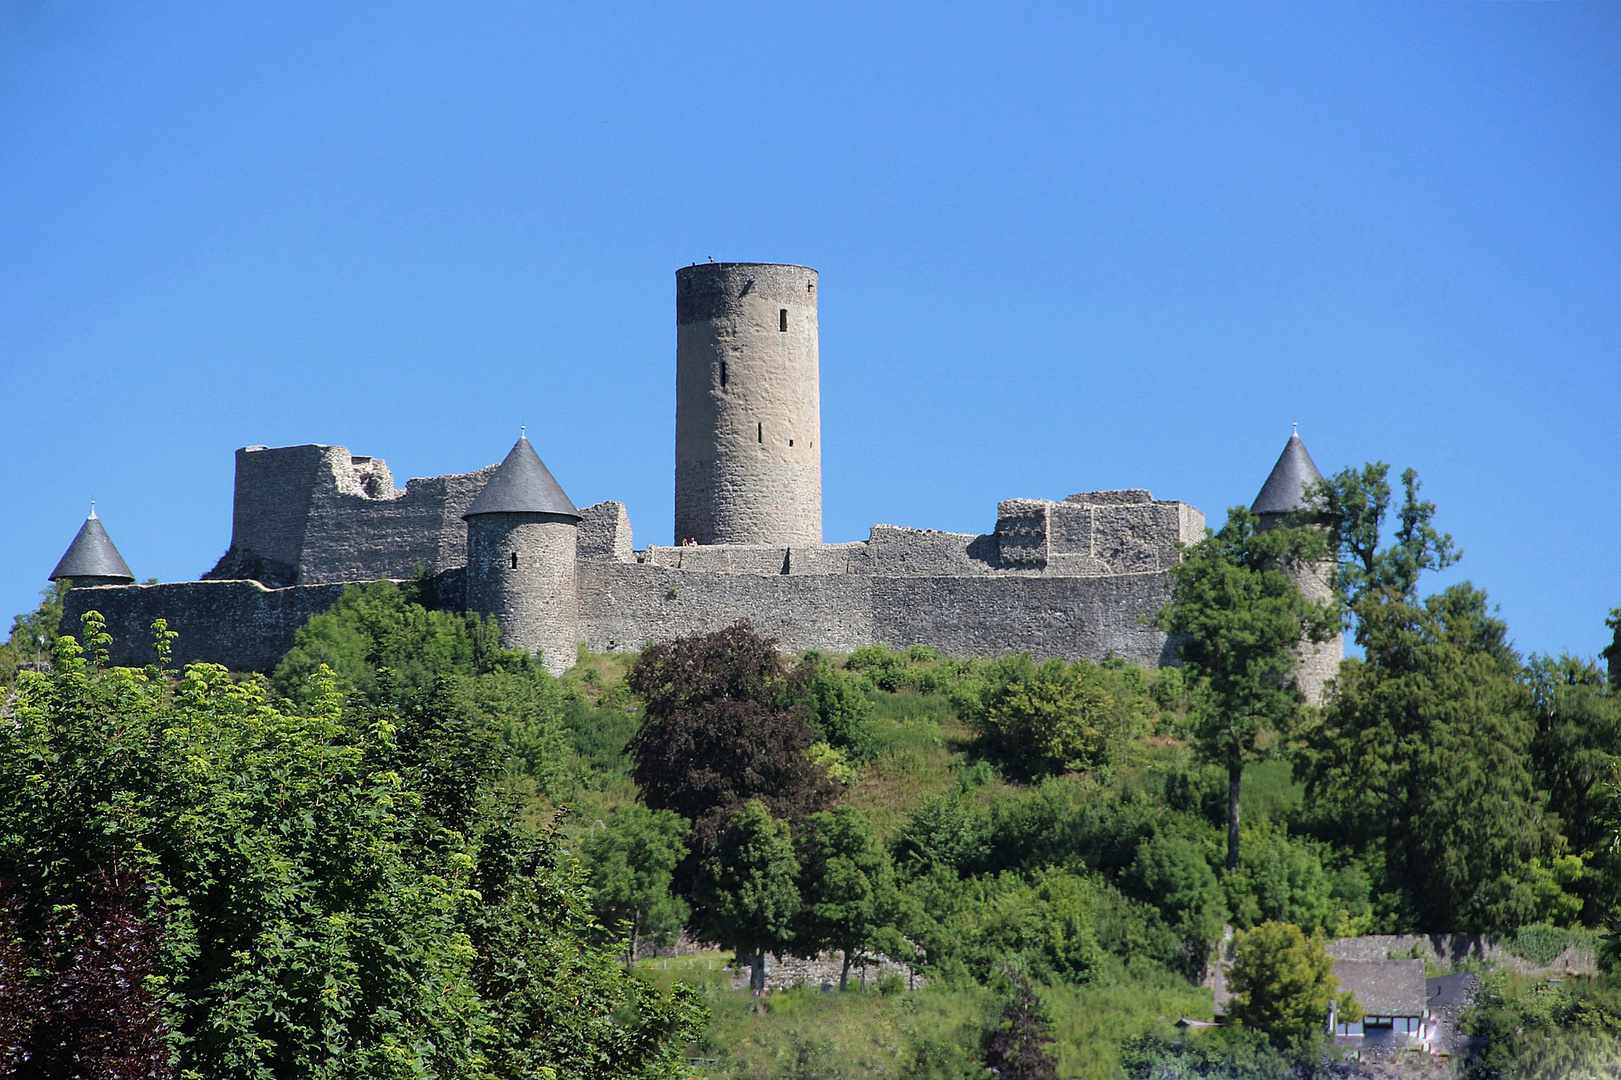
x=625 y=605
x=1082 y=579
x=240 y=624
x=748 y=424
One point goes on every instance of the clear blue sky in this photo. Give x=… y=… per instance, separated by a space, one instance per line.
x=1062 y=248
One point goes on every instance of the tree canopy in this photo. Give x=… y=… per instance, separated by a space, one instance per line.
x=335 y=888
x=723 y=724
x=1283 y=984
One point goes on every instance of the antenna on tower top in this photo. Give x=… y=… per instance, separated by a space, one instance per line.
x=1297 y=427
x=522 y=431
x=92 y=508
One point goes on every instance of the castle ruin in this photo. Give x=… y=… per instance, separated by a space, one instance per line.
x=1078 y=577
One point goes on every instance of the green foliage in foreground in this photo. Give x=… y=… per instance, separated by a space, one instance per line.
x=338 y=889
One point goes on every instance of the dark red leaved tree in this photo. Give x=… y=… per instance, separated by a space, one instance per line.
x=1016 y=1047
x=725 y=723
x=78 y=1008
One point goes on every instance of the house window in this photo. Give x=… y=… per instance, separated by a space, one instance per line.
x=723 y=373
x=515 y=560
x=782 y=320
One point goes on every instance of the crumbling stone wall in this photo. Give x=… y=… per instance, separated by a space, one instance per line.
x=304 y=515
x=1081 y=578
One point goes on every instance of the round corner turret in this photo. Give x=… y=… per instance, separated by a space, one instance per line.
x=522 y=542
x=92 y=558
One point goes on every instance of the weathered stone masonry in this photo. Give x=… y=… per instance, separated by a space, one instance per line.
x=900 y=587
x=1077 y=578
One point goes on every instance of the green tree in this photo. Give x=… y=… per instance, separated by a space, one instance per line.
x=339 y=891
x=1612 y=651
x=1283 y=984
x=1429 y=728
x=33 y=634
x=848 y=886
x=1577 y=746
x=1280 y=879
x=1239 y=618
x=1353 y=505
x=839 y=705
x=1052 y=717
x=378 y=626
x=723 y=724
x=1431 y=724
x=1173 y=874
x=632 y=864
x=749 y=888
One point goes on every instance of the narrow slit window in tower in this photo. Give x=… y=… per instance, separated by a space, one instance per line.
x=723 y=373
x=790 y=442
x=782 y=320
x=515 y=560
x=759 y=432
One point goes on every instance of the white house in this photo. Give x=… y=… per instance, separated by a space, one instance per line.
x=1394 y=999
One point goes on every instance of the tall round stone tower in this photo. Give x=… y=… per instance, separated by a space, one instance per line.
x=522 y=537
x=1283 y=495
x=748 y=414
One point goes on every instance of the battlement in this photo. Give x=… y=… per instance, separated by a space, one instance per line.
x=1096 y=533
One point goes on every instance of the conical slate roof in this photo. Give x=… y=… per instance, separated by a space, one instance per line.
x=522 y=485
x=1285 y=489
x=92 y=554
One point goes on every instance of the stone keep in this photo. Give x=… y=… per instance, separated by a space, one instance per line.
x=522 y=543
x=748 y=421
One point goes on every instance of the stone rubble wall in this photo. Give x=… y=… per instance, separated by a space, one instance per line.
x=240 y=624
x=1453 y=950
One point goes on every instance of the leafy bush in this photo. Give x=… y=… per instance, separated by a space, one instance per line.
x=839 y=703
x=1283 y=984
x=1173 y=874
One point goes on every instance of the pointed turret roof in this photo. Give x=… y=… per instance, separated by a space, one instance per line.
x=522 y=485
x=1285 y=489
x=92 y=554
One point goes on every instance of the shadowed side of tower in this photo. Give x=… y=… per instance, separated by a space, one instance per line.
x=748 y=423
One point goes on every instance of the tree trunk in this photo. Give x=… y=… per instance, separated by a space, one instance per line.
x=844 y=976
x=1235 y=778
x=757 y=974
